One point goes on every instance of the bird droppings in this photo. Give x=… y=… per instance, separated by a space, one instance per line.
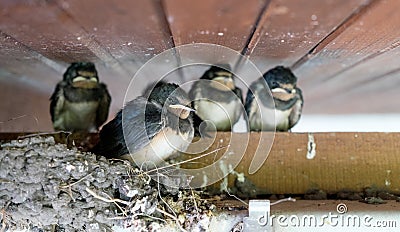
x=45 y=185
x=311 y=147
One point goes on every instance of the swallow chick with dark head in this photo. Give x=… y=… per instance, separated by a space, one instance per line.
x=285 y=104
x=149 y=130
x=216 y=98
x=80 y=102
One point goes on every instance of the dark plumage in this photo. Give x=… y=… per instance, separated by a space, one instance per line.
x=79 y=101
x=149 y=130
x=286 y=98
x=216 y=98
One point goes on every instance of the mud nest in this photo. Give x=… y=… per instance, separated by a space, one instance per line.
x=47 y=187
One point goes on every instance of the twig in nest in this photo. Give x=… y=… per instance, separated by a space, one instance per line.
x=159 y=194
x=68 y=190
x=189 y=160
x=138 y=214
x=105 y=199
x=44 y=133
x=80 y=180
x=173 y=217
x=4 y=217
x=194 y=200
x=119 y=207
x=283 y=200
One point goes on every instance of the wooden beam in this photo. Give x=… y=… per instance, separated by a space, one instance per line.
x=370 y=41
x=342 y=161
x=226 y=23
x=293 y=27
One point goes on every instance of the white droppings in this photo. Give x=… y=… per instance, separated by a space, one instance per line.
x=221 y=140
x=311 y=147
x=150 y=49
x=314 y=23
x=79 y=38
x=314 y=17
x=220 y=33
x=205 y=180
x=90 y=214
x=387 y=180
x=170 y=19
x=282 y=40
x=225 y=172
x=129 y=43
x=70 y=167
x=132 y=192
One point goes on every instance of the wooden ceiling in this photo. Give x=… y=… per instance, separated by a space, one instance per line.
x=344 y=52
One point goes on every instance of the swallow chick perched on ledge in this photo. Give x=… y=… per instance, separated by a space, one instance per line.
x=149 y=130
x=80 y=102
x=286 y=103
x=216 y=98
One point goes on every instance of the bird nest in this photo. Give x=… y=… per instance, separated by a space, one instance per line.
x=47 y=186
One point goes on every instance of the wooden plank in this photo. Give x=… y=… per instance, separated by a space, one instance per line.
x=293 y=27
x=132 y=31
x=368 y=87
x=25 y=109
x=42 y=30
x=302 y=207
x=342 y=161
x=372 y=34
x=228 y=23
x=28 y=66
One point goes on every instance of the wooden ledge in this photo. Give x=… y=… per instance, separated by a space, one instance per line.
x=342 y=161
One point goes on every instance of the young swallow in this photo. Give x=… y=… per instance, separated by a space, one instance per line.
x=285 y=105
x=80 y=102
x=149 y=130
x=216 y=98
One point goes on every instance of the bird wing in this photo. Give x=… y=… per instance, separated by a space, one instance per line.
x=57 y=100
x=296 y=110
x=131 y=121
x=104 y=106
x=141 y=127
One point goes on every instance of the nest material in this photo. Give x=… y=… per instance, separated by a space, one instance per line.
x=46 y=186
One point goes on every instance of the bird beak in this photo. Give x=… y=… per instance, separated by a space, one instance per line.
x=278 y=90
x=81 y=78
x=84 y=82
x=226 y=81
x=182 y=107
x=282 y=90
x=181 y=111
